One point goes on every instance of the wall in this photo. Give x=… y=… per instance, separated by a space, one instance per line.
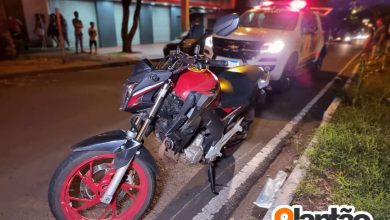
x=106 y=25
x=175 y=22
x=146 y=24
x=87 y=13
x=157 y=23
x=161 y=24
x=29 y=9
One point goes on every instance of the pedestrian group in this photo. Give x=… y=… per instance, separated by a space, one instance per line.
x=57 y=26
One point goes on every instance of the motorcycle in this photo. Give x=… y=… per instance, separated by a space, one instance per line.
x=193 y=113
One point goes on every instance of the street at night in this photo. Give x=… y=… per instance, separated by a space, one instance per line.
x=44 y=115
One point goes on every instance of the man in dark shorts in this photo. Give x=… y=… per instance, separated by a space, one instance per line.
x=92 y=37
x=78 y=32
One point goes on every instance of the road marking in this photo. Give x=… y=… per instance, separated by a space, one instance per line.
x=207 y=187
x=227 y=192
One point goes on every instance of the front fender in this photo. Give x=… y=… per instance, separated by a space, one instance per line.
x=112 y=141
x=108 y=141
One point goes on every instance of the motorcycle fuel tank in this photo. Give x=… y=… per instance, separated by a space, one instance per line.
x=201 y=81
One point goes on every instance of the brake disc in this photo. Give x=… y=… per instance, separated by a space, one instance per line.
x=84 y=190
x=105 y=167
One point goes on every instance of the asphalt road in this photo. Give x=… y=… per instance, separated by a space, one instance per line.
x=42 y=116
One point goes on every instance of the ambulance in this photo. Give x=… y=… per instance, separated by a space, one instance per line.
x=277 y=36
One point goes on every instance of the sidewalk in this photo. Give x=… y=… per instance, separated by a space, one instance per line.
x=36 y=61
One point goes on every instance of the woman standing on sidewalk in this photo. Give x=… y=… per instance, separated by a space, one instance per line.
x=39 y=29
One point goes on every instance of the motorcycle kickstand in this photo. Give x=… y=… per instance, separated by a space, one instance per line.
x=211 y=175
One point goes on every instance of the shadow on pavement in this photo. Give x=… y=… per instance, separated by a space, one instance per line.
x=197 y=193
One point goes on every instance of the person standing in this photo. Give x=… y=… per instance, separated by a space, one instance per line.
x=92 y=37
x=197 y=30
x=379 y=38
x=368 y=44
x=15 y=27
x=78 y=31
x=64 y=28
x=39 y=29
x=52 y=30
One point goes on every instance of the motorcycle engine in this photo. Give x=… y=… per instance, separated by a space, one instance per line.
x=194 y=153
x=169 y=110
x=180 y=144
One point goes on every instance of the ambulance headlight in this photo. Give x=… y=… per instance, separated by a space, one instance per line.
x=272 y=47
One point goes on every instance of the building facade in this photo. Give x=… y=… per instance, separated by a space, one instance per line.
x=159 y=20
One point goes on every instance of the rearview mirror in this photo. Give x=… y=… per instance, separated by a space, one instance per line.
x=226 y=24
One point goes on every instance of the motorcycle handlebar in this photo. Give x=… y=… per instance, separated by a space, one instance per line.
x=218 y=63
x=187 y=60
x=179 y=70
x=213 y=63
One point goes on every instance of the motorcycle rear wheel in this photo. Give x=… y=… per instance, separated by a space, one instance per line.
x=81 y=179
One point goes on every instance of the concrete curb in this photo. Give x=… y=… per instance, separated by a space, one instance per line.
x=68 y=69
x=287 y=192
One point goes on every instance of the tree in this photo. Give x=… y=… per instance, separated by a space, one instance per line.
x=7 y=46
x=127 y=36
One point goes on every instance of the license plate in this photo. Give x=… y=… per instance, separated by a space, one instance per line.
x=233 y=63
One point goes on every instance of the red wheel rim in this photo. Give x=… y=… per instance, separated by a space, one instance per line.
x=85 y=184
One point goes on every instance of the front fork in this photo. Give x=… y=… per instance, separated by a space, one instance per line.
x=120 y=172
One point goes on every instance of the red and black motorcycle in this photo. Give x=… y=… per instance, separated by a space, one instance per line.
x=194 y=114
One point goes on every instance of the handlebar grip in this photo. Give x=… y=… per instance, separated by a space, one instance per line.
x=218 y=63
x=179 y=70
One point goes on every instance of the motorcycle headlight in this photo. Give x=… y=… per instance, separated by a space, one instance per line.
x=126 y=95
x=209 y=42
x=272 y=47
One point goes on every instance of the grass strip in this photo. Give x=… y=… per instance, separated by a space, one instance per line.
x=350 y=164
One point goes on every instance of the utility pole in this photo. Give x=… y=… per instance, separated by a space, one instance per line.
x=60 y=35
x=185 y=15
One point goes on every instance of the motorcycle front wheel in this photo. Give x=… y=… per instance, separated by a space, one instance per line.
x=82 y=178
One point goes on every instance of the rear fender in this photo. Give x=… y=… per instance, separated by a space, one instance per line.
x=116 y=141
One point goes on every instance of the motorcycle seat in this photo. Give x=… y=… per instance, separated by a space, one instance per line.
x=238 y=85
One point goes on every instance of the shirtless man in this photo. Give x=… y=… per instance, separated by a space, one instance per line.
x=78 y=32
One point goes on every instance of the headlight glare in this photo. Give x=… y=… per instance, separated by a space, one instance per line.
x=273 y=47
